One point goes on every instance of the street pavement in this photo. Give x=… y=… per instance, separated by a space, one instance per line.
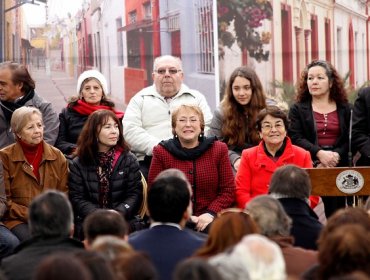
x=55 y=88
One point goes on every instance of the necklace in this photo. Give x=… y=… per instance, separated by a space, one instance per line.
x=33 y=161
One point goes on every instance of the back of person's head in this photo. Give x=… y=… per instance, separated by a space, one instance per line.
x=345 y=216
x=270 y=216
x=168 y=199
x=104 y=222
x=344 y=250
x=50 y=215
x=134 y=266
x=62 y=266
x=111 y=246
x=99 y=266
x=172 y=172
x=227 y=229
x=254 y=257
x=196 y=269
x=290 y=181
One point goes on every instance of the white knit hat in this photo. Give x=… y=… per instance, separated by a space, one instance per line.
x=92 y=74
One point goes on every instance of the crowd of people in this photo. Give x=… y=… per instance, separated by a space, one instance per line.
x=168 y=190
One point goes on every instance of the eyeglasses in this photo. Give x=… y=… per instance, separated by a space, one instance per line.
x=185 y=121
x=269 y=126
x=232 y=210
x=172 y=71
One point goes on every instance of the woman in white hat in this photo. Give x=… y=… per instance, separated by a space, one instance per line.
x=92 y=90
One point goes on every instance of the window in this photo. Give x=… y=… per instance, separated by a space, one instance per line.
x=205 y=61
x=132 y=17
x=147 y=10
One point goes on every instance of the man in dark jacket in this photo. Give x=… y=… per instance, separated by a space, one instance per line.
x=51 y=225
x=361 y=127
x=291 y=185
x=166 y=242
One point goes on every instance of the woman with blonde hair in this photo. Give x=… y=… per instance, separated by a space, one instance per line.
x=30 y=167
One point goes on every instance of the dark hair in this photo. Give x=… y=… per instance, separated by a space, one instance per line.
x=344 y=216
x=196 y=269
x=273 y=111
x=168 y=199
x=98 y=266
x=239 y=120
x=227 y=230
x=104 y=222
x=337 y=90
x=87 y=144
x=20 y=75
x=291 y=181
x=344 y=250
x=51 y=215
x=134 y=266
x=61 y=266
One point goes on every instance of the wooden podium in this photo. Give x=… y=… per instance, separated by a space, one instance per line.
x=340 y=181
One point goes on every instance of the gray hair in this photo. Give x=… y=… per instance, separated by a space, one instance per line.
x=255 y=257
x=174 y=58
x=270 y=216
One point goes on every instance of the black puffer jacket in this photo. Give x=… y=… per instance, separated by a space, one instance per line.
x=71 y=123
x=126 y=190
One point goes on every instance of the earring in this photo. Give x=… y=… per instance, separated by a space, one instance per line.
x=201 y=135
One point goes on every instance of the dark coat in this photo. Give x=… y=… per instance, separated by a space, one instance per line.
x=71 y=123
x=361 y=126
x=306 y=226
x=302 y=130
x=126 y=191
x=28 y=255
x=166 y=246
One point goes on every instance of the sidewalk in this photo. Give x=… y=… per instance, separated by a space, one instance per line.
x=55 y=88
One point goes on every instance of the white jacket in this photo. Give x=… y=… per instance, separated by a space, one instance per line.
x=147 y=119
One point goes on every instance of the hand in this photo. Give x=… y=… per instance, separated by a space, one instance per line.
x=328 y=158
x=236 y=164
x=203 y=221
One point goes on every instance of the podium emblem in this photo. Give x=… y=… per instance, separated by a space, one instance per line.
x=350 y=181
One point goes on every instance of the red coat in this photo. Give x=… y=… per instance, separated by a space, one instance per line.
x=210 y=175
x=256 y=168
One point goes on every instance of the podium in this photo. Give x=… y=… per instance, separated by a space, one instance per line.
x=340 y=181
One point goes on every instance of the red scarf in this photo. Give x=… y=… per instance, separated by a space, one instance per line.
x=86 y=109
x=33 y=154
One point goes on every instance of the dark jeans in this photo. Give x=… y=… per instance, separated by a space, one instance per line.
x=8 y=241
x=21 y=231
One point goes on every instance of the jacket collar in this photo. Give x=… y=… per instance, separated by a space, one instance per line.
x=18 y=154
x=152 y=91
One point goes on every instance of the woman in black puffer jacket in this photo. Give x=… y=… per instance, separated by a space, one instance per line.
x=104 y=173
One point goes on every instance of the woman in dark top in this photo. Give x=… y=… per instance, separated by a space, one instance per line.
x=320 y=120
x=92 y=90
x=104 y=174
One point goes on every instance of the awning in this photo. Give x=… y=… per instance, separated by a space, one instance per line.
x=26 y=44
x=136 y=25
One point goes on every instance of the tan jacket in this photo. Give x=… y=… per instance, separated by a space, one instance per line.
x=21 y=185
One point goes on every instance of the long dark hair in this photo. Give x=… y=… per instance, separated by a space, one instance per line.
x=239 y=121
x=87 y=144
x=337 y=91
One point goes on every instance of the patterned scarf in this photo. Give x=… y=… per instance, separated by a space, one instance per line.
x=104 y=171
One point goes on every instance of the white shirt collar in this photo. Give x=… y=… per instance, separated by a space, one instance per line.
x=154 y=224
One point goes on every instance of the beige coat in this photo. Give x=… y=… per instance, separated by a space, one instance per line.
x=21 y=185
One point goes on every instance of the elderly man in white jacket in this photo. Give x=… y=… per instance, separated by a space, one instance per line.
x=147 y=119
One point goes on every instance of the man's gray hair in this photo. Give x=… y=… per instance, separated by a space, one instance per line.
x=270 y=216
x=175 y=58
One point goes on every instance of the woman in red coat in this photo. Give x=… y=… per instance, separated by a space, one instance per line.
x=258 y=163
x=205 y=162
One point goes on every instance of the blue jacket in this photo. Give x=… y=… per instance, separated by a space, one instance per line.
x=166 y=246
